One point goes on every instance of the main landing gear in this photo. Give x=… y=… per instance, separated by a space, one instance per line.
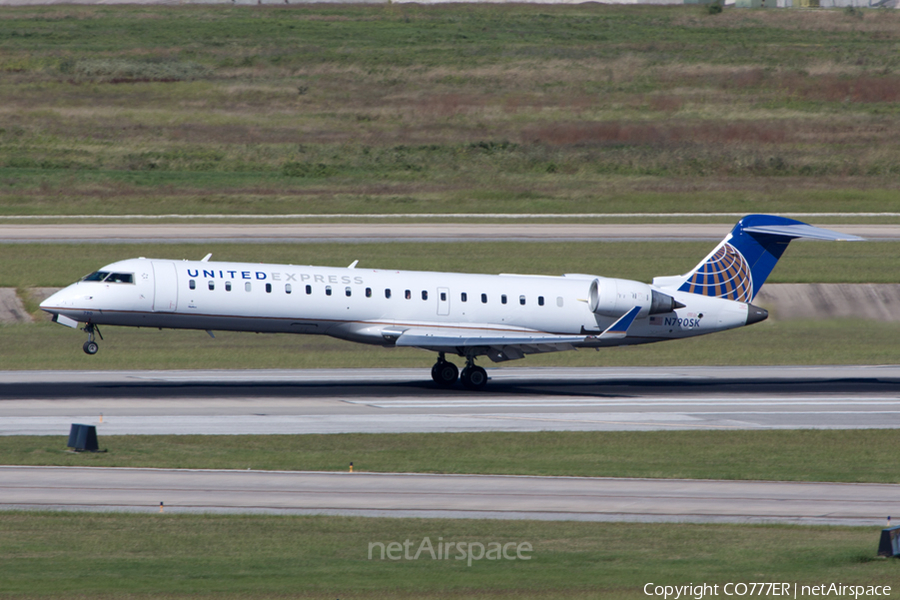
x=473 y=377
x=90 y=346
x=445 y=373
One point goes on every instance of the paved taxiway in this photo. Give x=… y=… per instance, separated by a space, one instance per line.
x=443 y=496
x=427 y=232
x=406 y=400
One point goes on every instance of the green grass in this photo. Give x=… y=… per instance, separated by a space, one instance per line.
x=51 y=346
x=807 y=455
x=62 y=555
x=511 y=108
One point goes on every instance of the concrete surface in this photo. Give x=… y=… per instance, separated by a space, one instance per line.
x=406 y=400
x=350 y=232
x=447 y=496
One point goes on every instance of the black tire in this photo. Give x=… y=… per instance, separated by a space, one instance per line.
x=90 y=348
x=447 y=373
x=474 y=378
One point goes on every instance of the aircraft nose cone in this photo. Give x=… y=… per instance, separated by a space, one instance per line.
x=756 y=314
x=49 y=301
x=57 y=299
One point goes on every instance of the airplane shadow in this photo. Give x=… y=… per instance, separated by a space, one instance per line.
x=537 y=387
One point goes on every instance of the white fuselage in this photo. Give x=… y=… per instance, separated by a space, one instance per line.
x=362 y=304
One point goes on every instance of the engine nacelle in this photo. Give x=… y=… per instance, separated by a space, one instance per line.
x=615 y=297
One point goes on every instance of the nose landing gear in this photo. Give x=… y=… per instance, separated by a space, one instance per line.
x=90 y=346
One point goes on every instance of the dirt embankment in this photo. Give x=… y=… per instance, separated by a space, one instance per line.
x=870 y=301
x=786 y=301
x=12 y=307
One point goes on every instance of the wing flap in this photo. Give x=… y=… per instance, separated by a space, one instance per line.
x=497 y=345
x=466 y=338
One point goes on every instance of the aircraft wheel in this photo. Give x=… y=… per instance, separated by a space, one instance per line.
x=90 y=348
x=445 y=373
x=435 y=372
x=474 y=378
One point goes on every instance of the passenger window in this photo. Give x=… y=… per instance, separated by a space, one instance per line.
x=424 y=295
x=540 y=300
x=484 y=298
x=443 y=296
x=464 y=297
x=559 y=301
x=347 y=291
x=502 y=298
x=327 y=290
x=96 y=276
x=192 y=284
x=308 y=290
x=227 y=286
x=212 y=285
x=268 y=288
x=522 y=300
x=408 y=294
x=387 y=292
x=287 y=288
x=368 y=292
x=247 y=286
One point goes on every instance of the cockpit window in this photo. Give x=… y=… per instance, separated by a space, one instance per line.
x=110 y=277
x=96 y=276
x=120 y=278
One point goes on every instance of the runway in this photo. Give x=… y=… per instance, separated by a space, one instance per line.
x=380 y=232
x=406 y=400
x=446 y=496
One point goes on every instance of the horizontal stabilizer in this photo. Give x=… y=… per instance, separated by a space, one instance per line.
x=802 y=230
x=619 y=329
x=739 y=266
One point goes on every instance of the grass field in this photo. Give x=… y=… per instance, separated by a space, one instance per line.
x=854 y=456
x=472 y=108
x=51 y=346
x=64 y=555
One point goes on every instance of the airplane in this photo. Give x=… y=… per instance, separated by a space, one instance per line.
x=504 y=317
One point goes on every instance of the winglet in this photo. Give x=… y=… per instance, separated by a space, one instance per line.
x=619 y=329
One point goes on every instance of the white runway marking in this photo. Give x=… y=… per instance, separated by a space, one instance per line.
x=675 y=401
x=406 y=401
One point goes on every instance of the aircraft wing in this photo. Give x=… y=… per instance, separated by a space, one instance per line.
x=497 y=345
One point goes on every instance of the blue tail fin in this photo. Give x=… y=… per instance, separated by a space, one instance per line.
x=740 y=265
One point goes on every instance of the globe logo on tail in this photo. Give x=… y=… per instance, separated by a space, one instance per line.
x=725 y=275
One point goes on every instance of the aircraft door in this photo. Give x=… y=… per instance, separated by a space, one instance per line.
x=165 y=282
x=443 y=302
